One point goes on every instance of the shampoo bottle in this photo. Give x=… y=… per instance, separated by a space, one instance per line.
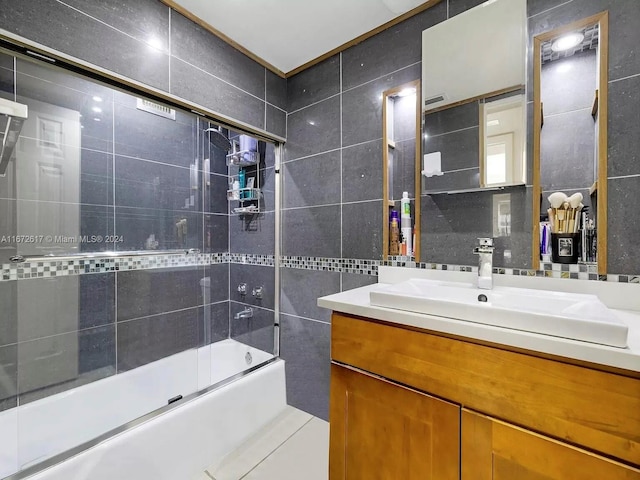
x=405 y=223
x=394 y=235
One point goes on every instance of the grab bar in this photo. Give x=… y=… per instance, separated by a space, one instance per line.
x=109 y=254
x=246 y=313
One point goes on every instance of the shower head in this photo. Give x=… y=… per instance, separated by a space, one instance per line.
x=217 y=138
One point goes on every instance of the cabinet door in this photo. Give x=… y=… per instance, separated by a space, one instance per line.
x=383 y=431
x=494 y=450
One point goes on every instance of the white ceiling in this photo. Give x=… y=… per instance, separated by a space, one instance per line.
x=289 y=33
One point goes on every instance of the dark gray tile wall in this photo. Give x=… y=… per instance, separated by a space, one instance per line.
x=150 y=43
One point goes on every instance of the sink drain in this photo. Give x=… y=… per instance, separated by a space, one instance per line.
x=248 y=358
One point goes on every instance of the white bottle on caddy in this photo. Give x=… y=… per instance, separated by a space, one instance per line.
x=405 y=222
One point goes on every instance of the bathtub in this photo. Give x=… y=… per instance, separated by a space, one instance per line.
x=177 y=443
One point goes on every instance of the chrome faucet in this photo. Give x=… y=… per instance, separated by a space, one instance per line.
x=484 y=250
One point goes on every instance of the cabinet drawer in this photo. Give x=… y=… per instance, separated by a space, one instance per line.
x=579 y=405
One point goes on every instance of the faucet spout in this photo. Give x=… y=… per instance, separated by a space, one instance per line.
x=484 y=250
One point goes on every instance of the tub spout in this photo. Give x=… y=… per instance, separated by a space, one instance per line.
x=246 y=313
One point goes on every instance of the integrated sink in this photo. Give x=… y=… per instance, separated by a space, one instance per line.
x=568 y=315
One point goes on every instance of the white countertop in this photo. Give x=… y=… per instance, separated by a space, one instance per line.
x=356 y=302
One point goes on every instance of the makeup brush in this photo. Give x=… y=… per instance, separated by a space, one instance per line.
x=574 y=201
x=556 y=200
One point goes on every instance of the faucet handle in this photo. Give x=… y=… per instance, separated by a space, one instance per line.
x=485 y=242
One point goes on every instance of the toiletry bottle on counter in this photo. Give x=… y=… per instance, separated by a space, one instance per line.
x=405 y=222
x=394 y=235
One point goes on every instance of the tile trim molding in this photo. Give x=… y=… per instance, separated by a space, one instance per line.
x=56 y=268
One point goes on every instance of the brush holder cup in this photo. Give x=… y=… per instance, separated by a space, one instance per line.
x=565 y=247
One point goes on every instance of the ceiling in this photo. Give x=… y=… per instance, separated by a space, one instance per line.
x=289 y=33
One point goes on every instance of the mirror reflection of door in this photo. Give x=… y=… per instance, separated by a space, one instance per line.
x=503 y=143
x=48 y=185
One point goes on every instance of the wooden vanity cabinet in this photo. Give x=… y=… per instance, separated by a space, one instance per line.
x=409 y=403
x=381 y=430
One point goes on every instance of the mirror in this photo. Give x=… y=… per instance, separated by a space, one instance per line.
x=473 y=71
x=570 y=144
x=401 y=170
x=476 y=54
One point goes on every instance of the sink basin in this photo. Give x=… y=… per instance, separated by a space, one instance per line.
x=567 y=315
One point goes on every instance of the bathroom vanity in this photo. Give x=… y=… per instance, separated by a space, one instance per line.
x=419 y=396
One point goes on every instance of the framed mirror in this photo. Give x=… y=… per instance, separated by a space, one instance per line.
x=570 y=144
x=401 y=170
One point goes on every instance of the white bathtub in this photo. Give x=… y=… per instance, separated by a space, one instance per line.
x=176 y=444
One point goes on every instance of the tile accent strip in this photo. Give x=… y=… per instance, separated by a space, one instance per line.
x=54 y=268
x=57 y=268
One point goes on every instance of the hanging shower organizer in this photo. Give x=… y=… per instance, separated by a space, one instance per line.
x=248 y=198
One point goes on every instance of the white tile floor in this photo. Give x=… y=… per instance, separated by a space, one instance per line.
x=294 y=446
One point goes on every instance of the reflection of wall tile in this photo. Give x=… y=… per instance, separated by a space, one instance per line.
x=460 y=149
x=148 y=339
x=452 y=119
x=457 y=180
x=7 y=87
x=8 y=226
x=305 y=346
x=64 y=304
x=145 y=135
x=39 y=84
x=219 y=283
x=55 y=364
x=148 y=292
x=9 y=376
x=404 y=169
x=459 y=6
x=135 y=225
x=569 y=84
x=9 y=313
x=219 y=320
x=154 y=185
x=96 y=178
x=567 y=143
x=216 y=233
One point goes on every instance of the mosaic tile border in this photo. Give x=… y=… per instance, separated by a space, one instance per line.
x=343 y=265
x=54 y=268
x=81 y=266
